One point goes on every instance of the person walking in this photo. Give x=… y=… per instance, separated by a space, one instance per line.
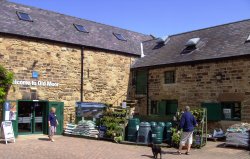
x=187 y=124
x=53 y=123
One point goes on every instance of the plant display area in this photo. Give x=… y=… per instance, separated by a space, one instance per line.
x=200 y=132
x=114 y=120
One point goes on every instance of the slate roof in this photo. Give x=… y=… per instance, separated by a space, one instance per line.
x=58 y=27
x=217 y=42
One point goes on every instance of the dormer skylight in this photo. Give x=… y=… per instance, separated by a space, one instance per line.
x=248 y=38
x=193 y=41
x=24 y=16
x=81 y=28
x=120 y=37
x=190 y=45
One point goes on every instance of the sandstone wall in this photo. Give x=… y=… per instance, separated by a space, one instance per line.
x=198 y=83
x=106 y=76
x=54 y=62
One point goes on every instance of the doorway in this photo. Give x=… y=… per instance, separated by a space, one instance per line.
x=31 y=116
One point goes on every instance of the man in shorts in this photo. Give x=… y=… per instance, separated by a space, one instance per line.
x=52 y=121
x=187 y=124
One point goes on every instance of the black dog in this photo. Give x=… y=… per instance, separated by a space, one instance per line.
x=156 y=149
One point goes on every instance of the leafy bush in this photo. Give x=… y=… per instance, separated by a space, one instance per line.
x=198 y=114
x=6 y=79
x=176 y=136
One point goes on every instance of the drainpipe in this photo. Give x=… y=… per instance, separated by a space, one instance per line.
x=147 y=92
x=82 y=59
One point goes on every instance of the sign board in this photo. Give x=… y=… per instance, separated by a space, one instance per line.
x=89 y=109
x=124 y=105
x=10 y=112
x=35 y=83
x=7 y=131
x=227 y=113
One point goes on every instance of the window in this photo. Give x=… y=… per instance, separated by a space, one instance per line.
x=167 y=107
x=120 y=37
x=81 y=28
x=192 y=42
x=24 y=16
x=169 y=77
x=231 y=110
x=188 y=49
x=248 y=38
x=191 y=45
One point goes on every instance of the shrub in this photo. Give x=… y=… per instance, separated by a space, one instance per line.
x=6 y=79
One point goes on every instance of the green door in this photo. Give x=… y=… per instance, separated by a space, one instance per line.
x=162 y=108
x=172 y=106
x=213 y=111
x=13 y=108
x=59 y=114
x=141 y=82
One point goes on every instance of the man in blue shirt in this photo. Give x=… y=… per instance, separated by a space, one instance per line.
x=187 y=124
x=52 y=121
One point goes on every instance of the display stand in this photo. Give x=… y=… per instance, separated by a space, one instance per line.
x=200 y=135
x=7 y=132
x=115 y=121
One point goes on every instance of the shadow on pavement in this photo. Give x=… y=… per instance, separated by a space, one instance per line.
x=44 y=139
x=149 y=156
x=223 y=145
x=163 y=153
x=170 y=152
x=2 y=142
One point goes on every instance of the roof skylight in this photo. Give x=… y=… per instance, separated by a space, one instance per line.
x=24 y=16
x=120 y=37
x=193 y=41
x=191 y=45
x=248 y=38
x=81 y=28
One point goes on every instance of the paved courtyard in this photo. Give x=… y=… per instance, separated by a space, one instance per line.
x=38 y=147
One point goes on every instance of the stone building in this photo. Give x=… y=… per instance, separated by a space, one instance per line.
x=202 y=68
x=59 y=60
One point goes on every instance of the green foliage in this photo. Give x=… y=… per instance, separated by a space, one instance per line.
x=6 y=79
x=198 y=114
x=118 y=139
x=176 y=137
x=114 y=121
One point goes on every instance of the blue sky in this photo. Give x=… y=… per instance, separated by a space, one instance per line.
x=156 y=17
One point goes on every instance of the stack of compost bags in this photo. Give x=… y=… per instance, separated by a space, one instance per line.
x=70 y=128
x=238 y=135
x=86 y=128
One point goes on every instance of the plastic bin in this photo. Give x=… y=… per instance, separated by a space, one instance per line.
x=133 y=126
x=168 y=134
x=144 y=133
x=157 y=134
